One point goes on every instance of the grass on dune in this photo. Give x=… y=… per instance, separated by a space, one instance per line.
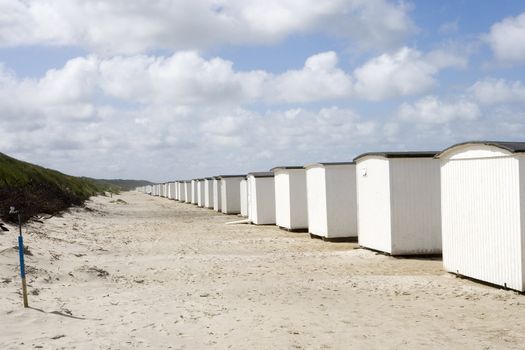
x=34 y=189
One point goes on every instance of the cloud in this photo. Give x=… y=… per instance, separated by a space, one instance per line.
x=183 y=78
x=431 y=110
x=121 y=26
x=507 y=39
x=498 y=91
x=402 y=73
x=319 y=79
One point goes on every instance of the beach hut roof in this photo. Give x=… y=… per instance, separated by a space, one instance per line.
x=327 y=164
x=262 y=174
x=286 y=167
x=227 y=176
x=209 y=178
x=512 y=147
x=418 y=154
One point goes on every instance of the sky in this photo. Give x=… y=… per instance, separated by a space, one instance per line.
x=164 y=90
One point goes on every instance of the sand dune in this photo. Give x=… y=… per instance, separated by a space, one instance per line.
x=155 y=273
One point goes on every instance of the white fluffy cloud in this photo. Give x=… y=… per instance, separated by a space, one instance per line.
x=186 y=78
x=122 y=26
x=431 y=110
x=319 y=79
x=183 y=78
x=507 y=39
x=405 y=72
x=497 y=91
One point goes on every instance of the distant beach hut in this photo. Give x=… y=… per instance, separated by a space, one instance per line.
x=182 y=195
x=200 y=192
x=291 y=208
x=230 y=193
x=208 y=192
x=187 y=191
x=193 y=194
x=177 y=193
x=171 y=190
x=149 y=189
x=331 y=200
x=156 y=191
x=399 y=202
x=217 y=193
x=244 y=197
x=261 y=205
x=483 y=211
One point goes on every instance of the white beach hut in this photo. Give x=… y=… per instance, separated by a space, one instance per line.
x=171 y=190
x=187 y=191
x=244 y=197
x=200 y=192
x=163 y=190
x=156 y=190
x=261 y=197
x=193 y=189
x=180 y=191
x=208 y=192
x=149 y=189
x=291 y=209
x=331 y=200
x=483 y=211
x=177 y=195
x=217 y=193
x=398 y=200
x=230 y=193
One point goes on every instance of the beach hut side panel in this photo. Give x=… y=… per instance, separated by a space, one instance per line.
x=217 y=195
x=373 y=203
x=231 y=195
x=187 y=192
x=415 y=192
x=244 y=197
x=298 y=205
x=481 y=219
x=208 y=193
x=522 y=217
x=171 y=190
x=316 y=195
x=200 y=193
x=282 y=200
x=341 y=203
x=262 y=205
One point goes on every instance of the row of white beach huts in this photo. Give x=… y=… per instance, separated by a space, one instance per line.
x=466 y=203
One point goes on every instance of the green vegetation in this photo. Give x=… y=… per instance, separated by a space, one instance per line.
x=33 y=189
x=125 y=185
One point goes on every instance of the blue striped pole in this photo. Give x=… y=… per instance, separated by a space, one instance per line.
x=22 y=269
x=21 y=255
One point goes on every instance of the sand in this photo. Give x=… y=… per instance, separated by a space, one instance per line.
x=154 y=273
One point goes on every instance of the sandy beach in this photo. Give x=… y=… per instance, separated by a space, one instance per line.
x=147 y=272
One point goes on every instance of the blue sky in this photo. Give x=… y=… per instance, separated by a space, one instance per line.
x=171 y=90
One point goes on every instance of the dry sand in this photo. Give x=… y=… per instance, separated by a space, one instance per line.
x=154 y=273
